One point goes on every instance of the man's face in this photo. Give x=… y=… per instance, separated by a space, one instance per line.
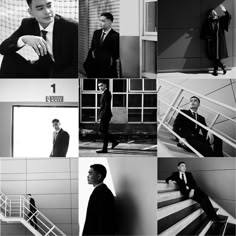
x=56 y=125
x=93 y=178
x=194 y=103
x=182 y=167
x=105 y=23
x=101 y=86
x=42 y=11
x=28 y=197
x=213 y=14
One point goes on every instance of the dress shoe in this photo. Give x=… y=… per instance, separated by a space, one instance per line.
x=215 y=73
x=224 y=70
x=114 y=145
x=101 y=151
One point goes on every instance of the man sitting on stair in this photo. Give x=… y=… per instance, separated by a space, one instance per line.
x=189 y=189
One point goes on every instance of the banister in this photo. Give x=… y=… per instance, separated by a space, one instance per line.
x=202 y=96
x=203 y=126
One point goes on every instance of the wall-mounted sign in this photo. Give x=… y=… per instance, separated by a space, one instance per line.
x=54 y=98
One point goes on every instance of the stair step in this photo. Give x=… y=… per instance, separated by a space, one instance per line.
x=171 y=209
x=178 y=220
x=217 y=228
x=165 y=196
x=169 y=202
x=230 y=229
x=196 y=226
x=163 y=186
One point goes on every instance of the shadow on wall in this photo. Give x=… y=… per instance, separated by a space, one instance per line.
x=179 y=33
x=126 y=210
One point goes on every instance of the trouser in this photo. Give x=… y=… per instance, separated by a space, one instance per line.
x=15 y=66
x=104 y=129
x=204 y=201
x=33 y=220
x=203 y=146
x=218 y=63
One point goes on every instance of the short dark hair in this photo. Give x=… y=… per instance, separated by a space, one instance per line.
x=103 y=82
x=108 y=15
x=28 y=194
x=55 y=120
x=196 y=98
x=29 y=2
x=181 y=162
x=100 y=169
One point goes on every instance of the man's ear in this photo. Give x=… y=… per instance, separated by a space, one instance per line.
x=99 y=177
x=30 y=11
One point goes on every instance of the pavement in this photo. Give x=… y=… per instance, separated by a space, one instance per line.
x=231 y=74
x=127 y=149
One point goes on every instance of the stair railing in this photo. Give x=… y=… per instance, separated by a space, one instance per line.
x=171 y=106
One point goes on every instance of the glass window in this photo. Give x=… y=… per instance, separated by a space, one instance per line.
x=88 y=100
x=88 y=115
x=89 y=84
x=134 y=115
x=150 y=100
x=98 y=99
x=119 y=85
x=149 y=84
x=150 y=56
x=151 y=16
x=119 y=100
x=135 y=100
x=149 y=115
x=135 y=84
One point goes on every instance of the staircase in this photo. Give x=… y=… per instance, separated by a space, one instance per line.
x=169 y=142
x=15 y=209
x=180 y=216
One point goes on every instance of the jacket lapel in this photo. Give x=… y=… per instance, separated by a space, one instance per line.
x=57 y=37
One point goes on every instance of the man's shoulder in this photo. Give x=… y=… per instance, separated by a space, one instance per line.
x=114 y=32
x=66 y=21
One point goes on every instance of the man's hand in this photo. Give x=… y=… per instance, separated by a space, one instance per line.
x=182 y=143
x=210 y=137
x=191 y=193
x=222 y=7
x=93 y=55
x=171 y=182
x=37 y=43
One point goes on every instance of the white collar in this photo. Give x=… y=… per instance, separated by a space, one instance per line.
x=193 y=111
x=106 y=32
x=58 y=131
x=104 y=90
x=49 y=28
x=98 y=185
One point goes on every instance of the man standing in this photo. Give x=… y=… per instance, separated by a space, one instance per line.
x=101 y=206
x=105 y=117
x=54 y=39
x=60 y=140
x=189 y=189
x=103 y=57
x=194 y=134
x=32 y=212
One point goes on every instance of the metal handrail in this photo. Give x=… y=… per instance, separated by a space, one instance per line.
x=202 y=96
x=21 y=203
x=203 y=126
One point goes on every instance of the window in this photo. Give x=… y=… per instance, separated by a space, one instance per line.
x=88 y=100
x=135 y=100
x=119 y=100
x=150 y=17
x=89 y=84
x=134 y=115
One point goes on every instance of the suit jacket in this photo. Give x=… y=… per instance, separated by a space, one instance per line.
x=65 y=44
x=181 y=184
x=60 y=144
x=32 y=205
x=100 y=217
x=105 y=106
x=185 y=128
x=106 y=54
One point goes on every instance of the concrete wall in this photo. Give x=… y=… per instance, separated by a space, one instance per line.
x=53 y=184
x=216 y=176
x=135 y=185
x=179 y=25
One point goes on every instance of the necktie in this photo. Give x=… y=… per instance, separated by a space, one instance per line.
x=195 y=117
x=102 y=38
x=44 y=33
x=55 y=136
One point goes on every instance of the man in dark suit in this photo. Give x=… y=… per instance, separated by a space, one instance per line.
x=195 y=135
x=189 y=189
x=103 y=57
x=32 y=212
x=100 y=217
x=60 y=140
x=54 y=39
x=105 y=115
